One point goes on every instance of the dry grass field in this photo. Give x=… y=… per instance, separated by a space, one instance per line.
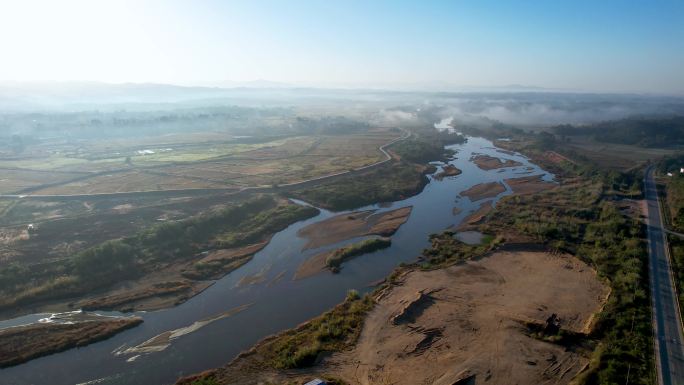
x=198 y=163
x=618 y=157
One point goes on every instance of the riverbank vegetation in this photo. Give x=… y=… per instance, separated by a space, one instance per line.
x=402 y=177
x=24 y=343
x=580 y=218
x=446 y=250
x=421 y=151
x=333 y=331
x=391 y=182
x=150 y=250
x=335 y=259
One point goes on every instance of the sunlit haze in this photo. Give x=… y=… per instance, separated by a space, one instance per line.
x=578 y=45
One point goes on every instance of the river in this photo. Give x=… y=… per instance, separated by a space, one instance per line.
x=276 y=302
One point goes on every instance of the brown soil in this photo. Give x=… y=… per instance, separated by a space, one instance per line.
x=529 y=185
x=484 y=190
x=317 y=264
x=352 y=225
x=24 y=343
x=476 y=217
x=448 y=170
x=487 y=162
x=458 y=324
x=312 y=266
x=443 y=326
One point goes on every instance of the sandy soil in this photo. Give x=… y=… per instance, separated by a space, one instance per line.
x=357 y=224
x=164 y=340
x=529 y=184
x=476 y=217
x=448 y=170
x=312 y=266
x=24 y=343
x=442 y=326
x=487 y=162
x=463 y=325
x=484 y=190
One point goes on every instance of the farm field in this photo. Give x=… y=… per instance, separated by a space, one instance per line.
x=192 y=165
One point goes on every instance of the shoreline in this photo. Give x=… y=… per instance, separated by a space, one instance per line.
x=24 y=343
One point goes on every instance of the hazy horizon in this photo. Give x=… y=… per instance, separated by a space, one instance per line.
x=611 y=46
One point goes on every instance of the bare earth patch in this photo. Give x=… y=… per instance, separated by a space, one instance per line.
x=529 y=184
x=484 y=190
x=487 y=162
x=357 y=224
x=312 y=266
x=448 y=170
x=464 y=324
x=443 y=326
x=477 y=217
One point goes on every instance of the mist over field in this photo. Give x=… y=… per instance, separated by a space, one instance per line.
x=41 y=108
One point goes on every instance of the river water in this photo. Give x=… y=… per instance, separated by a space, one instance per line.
x=275 y=301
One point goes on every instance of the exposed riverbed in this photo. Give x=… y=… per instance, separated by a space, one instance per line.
x=263 y=290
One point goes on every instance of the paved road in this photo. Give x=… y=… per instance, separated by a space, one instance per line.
x=666 y=316
x=202 y=191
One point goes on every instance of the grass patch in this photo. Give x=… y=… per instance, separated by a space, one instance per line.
x=421 y=151
x=156 y=247
x=334 y=260
x=394 y=181
x=335 y=330
x=445 y=250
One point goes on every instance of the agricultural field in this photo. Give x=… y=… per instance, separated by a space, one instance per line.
x=233 y=163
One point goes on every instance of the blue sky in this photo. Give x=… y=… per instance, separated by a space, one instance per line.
x=603 y=45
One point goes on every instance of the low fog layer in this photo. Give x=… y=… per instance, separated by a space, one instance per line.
x=95 y=108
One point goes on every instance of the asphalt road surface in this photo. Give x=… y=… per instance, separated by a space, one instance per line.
x=666 y=316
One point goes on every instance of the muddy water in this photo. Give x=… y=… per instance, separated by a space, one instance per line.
x=272 y=302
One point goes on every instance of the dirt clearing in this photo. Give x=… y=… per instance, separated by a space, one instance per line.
x=443 y=326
